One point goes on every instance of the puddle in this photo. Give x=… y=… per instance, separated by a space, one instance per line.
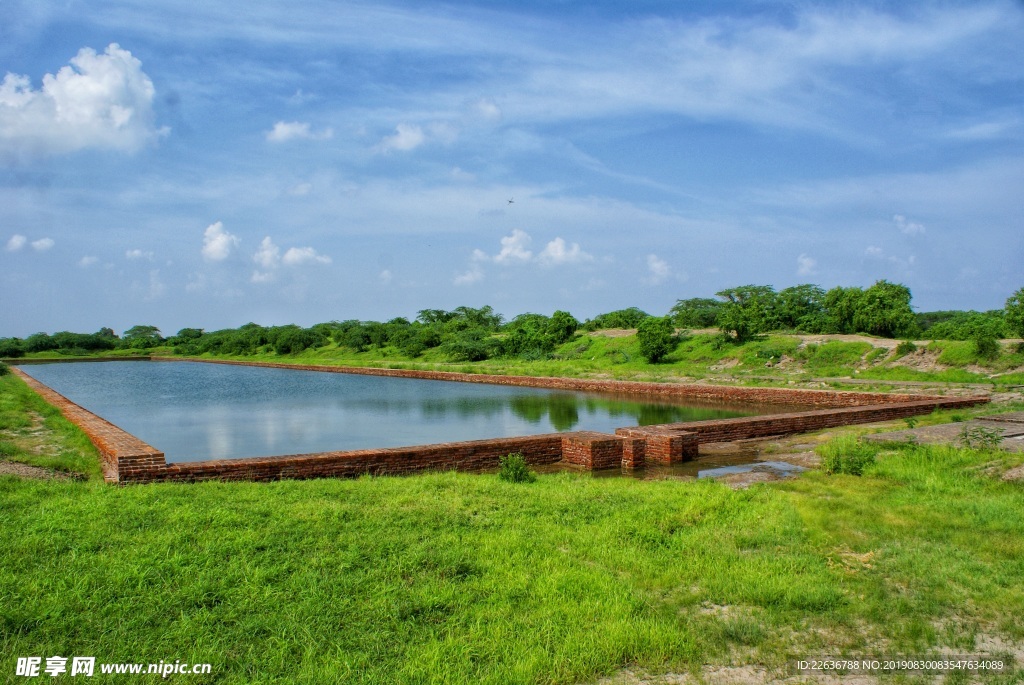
x=778 y=468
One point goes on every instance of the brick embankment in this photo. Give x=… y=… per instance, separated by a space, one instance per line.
x=689 y=391
x=748 y=427
x=123 y=455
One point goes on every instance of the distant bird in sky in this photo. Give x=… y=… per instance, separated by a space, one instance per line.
x=511 y=200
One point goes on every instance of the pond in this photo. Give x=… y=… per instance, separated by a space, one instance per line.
x=195 y=412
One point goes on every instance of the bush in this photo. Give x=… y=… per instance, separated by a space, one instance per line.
x=980 y=438
x=4 y=369
x=985 y=343
x=515 y=470
x=904 y=348
x=657 y=339
x=846 y=454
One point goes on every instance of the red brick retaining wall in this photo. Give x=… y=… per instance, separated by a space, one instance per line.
x=121 y=453
x=126 y=459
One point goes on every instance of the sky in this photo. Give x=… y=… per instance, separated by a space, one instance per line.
x=210 y=164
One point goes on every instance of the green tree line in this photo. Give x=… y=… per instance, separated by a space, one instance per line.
x=475 y=334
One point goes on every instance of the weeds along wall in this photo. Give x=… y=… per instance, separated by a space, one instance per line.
x=127 y=459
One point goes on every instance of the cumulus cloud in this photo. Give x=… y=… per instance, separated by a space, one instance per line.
x=87 y=261
x=268 y=257
x=385 y=276
x=556 y=252
x=908 y=227
x=406 y=137
x=514 y=248
x=657 y=269
x=293 y=130
x=218 y=243
x=102 y=101
x=473 y=275
x=297 y=256
x=873 y=251
x=138 y=254
x=16 y=242
x=42 y=245
x=806 y=265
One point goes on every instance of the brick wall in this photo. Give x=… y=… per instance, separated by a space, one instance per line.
x=126 y=459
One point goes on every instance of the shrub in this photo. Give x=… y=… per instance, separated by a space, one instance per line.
x=985 y=343
x=980 y=438
x=514 y=469
x=846 y=454
x=904 y=348
x=657 y=339
x=4 y=369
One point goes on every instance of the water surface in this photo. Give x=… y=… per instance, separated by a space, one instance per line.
x=194 y=411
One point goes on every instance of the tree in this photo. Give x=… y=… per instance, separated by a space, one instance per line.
x=657 y=338
x=629 y=317
x=1015 y=312
x=141 y=337
x=748 y=310
x=884 y=310
x=841 y=306
x=696 y=312
x=802 y=308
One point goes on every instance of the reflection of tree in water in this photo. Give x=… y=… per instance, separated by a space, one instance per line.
x=463 y=407
x=564 y=412
x=563 y=409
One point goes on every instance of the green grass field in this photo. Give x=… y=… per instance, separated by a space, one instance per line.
x=459 y=578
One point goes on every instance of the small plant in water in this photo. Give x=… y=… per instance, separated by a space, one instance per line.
x=980 y=438
x=846 y=454
x=514 y=469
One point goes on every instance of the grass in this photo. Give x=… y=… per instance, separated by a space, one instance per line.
x=463 y=578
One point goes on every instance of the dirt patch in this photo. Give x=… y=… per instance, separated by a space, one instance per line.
x=1015 y=475
x=13 y=468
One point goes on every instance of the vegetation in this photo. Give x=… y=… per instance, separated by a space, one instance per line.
x=515 y=470
x=461 y=578
x=657 y=337
x=847 y=455
x=754 y=322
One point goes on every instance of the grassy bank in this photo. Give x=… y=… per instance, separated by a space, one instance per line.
x=773 y=359
x=467 y=579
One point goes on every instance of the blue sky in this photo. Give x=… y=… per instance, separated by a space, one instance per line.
x=209 y=164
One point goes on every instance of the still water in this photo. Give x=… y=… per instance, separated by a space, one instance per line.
x=195 y=412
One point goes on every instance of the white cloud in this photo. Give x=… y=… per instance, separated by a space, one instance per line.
x=42 y=245
x=138 y=254
x=556 y=253
x=407 y=137
x=474 y=275
x=102 y=101
x=297 y=256
x=385 y=276
x=268 y=255
x=87 y=261
x=657 y=269
x=268 y=258
x=873 y=251
x=513 y=248
x=486 y=108
x=293 y=130
x=908 y=227
x=806 y=265
x=218 y=243
x=16 y=242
